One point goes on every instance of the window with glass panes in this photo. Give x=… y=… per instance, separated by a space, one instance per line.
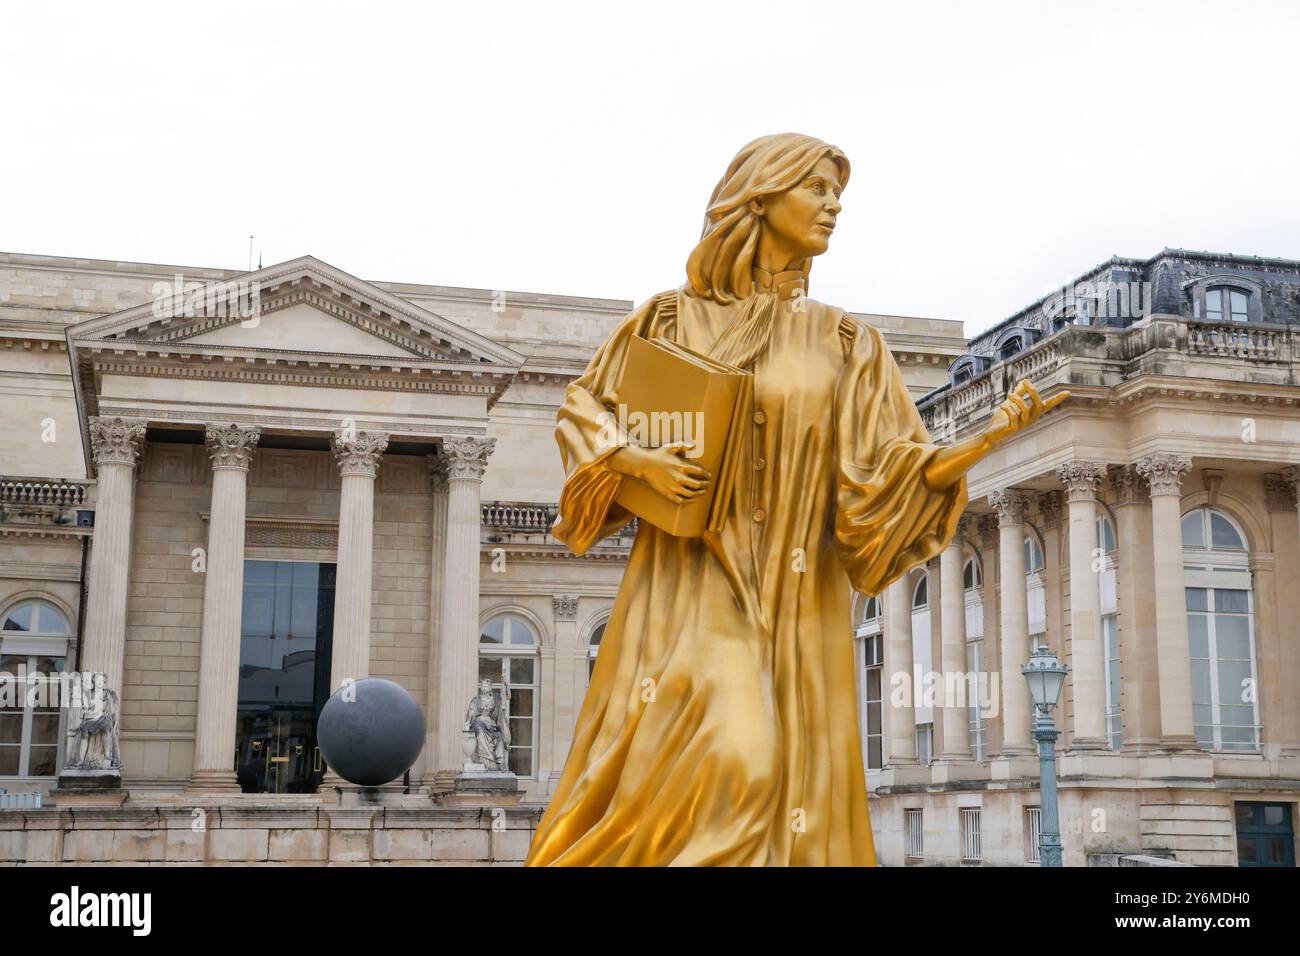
x=34 y=637
x=1220 y=632
x=1106 y=581
x=972 y=584
x=922 y=663
x=1226 y=304
x=593 y=648
x=507 y=657
x=871 y=654
x=1034 y=592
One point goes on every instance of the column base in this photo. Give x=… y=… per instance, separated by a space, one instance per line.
x=1180 y=744
x=213 y=781
x=1143 y=745
x=903 y=773
x=950 y=768
x=1012 y=751
x=1087 y=745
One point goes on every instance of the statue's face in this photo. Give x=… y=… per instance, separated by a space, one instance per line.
x=484 y=686
x=802 y=219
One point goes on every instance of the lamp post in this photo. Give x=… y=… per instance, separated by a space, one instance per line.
x=1045 y=675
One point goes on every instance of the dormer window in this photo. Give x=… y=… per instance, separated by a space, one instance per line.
x=1226 y=304
x=962 y=376
x=1226 y=299
x=1010 y=349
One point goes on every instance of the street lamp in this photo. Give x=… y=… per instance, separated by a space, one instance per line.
x=1045 y=674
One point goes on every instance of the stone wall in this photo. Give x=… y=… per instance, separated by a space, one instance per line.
x=268 y=834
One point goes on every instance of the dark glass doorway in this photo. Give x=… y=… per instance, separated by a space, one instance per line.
x=1264 y=834
x=284 y=670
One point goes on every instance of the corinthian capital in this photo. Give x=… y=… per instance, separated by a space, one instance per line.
x=358 y=453
x=1280 y=489
x=1081 y=479
x=1164 y=472
x=1049 y=509
x=467 y=456
x=1128 y=484
x=1009 y=505
x=437 y=474
x=116 y=441
x=232 y=446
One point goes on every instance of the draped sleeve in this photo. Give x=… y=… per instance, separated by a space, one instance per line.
x=887 y=519
x=588 y=431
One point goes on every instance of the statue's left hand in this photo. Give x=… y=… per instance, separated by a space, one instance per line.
x=1021 y=408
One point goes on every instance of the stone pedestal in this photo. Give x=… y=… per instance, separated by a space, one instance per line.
x=483 y=788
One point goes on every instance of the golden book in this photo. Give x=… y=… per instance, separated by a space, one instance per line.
x=669 y=393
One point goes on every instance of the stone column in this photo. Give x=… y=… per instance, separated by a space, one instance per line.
x=358 y=454
x=1051 y=504
x=1164 y=474
x=1087 y=658
x=1289 y=658
x=564 y=682
x=991 y=652
x=952 y=651
x=1010 y=505
x=231 y=448
x=897 y=664
x=1135 y=586
x=116 y=444
x=438 y=489
x=458 y=649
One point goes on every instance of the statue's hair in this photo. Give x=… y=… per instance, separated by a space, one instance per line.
x=720 y=266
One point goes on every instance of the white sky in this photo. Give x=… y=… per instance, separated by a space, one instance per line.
x=999 y=149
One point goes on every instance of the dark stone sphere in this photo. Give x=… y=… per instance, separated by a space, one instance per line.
x=374 y=736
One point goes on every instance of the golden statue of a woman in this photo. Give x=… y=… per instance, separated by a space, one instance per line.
x=720 y=727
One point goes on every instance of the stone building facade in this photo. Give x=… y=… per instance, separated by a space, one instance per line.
x=228 y=510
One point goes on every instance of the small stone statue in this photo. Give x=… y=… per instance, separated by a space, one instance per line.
x=94 y=743
x=488 y=720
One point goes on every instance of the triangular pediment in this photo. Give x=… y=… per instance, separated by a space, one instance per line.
x=304 y=306
x=299 y=326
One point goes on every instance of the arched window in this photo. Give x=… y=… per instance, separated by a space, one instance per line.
x=922 y=662
x=507 y=656
x=1035 y=594
x=1106 y=580
x=34 y=636
x=1220 y=631
x=870 y=654
x=1010 y=348
x=593 y=648
x=1226 y=304
x=972 y=585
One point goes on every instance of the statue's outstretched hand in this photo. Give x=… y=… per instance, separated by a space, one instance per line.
x=1020 y=409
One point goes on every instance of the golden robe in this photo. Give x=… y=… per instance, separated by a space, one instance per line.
x=721 y=723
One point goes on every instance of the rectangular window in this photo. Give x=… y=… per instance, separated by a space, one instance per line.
x=1110 y=642
x=971 y=850
x=1034 y=819
x=873 y=727
x=912 y=835
x=978 y=732
x=924 y=743
x=29 y=730
x=1221 y=645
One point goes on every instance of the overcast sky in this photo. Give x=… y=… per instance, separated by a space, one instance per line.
x=998 y=149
